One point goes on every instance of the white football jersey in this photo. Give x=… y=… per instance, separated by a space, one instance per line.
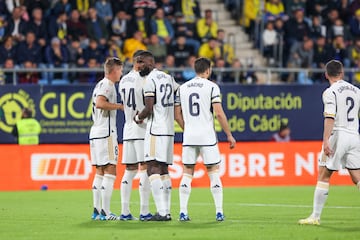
x=131 y=92
x=342 y=102
x=104 y=120
x=196 y=98
x=161 y=86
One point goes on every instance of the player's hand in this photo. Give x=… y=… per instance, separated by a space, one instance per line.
x=137 y=120
x=327 y=149
x=232 y=141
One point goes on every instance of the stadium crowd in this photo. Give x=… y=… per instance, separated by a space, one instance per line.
x=69 y=34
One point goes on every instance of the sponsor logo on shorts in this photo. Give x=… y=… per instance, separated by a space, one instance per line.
x=58 y=167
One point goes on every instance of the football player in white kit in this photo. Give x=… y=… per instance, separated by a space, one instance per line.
x=103 y=139
x=194 y=103
x=131 y=92
x=159 y=137
x=341 y=143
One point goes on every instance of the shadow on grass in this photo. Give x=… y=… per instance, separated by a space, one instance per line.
x=136 y=225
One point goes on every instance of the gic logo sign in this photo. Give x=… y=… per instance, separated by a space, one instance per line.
x=59 y=167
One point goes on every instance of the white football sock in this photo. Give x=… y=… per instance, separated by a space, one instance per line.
x=144 y=192
x=358 y=185
x=125 y=189
x=157 y=189
x=106 y=192
x=184 y=192
x=167 y=191
x=96 y=189
x=216 y=190
x=320 y=196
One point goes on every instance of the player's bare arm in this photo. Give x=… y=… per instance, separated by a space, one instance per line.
x=147 y=111
x=103 y=103
x=328 y=127
x=221 y=117
x=178 y=116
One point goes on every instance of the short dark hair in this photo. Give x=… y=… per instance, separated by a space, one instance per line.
x=201 y=65
x=334 y=68
x=146 y=54
x=137 y=53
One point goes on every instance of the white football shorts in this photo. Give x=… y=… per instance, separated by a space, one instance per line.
x=133 y=152
x=104 y=151
x=210 y=154
x=346 y=147
x=159 y=148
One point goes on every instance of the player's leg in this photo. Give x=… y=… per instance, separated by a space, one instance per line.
x=166 y=180
x=144 y=192
x=109 y=155
x=167 y=153
x=355 y=177
x=157 y=188
x=320 y=196
x=189 y=156
x=125 y=190
x=211 y=158
x=96 y=190
x=130 y=160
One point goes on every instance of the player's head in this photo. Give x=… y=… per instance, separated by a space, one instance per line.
x=202 y=66
x=148 y=63
x=26 y=113
x=136 y=61
x=334 y=69
x=113 y=69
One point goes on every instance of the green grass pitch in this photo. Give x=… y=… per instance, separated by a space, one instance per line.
x=251 y=213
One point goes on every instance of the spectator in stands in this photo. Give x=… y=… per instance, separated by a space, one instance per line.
x=96 y=28
x=7 y=50
x=354 y=6
x=3 y=24
x=330 y=18
x=120 y=27
x=210 y=50
x=301 y=54
x=9 y=77
x=76 y=27
x=316 y=28
x=181 y=27
x=28 y=77
x=104 y=10
x=131 y=45
x=355 y=53
x=341 y=52
x=62 y=6
x=290 y=5
x=121 y=5
x=236 y=76
x=270 y=42
x=274 y=9
x=251 y=11
x=16 y=27
x=218 y=74
x=83 y=6
x=190 y=9
x=162 y=27
x=226 y=49
x=149 y=7
x=140 y=23
x=91 y=76
x=283 y=134
x=296 y=28
x=94 y=50
x=38 y=25
x=76 y=57
x=303 y=75
x=42 y=4
x=168 y=6
x=181 y=51
x=57 y=27
x=339 y=29
x=189 y=72
x=114 y=50
x=323 y=52
x=315 y=7
x=57 y=56
x=206 y=27
x=355 y=24
x=157 y=49
x=29 y=51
